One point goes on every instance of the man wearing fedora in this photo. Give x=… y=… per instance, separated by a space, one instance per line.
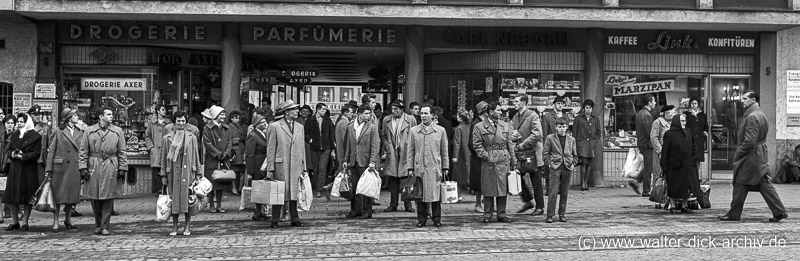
x=394 y=134
x=363 y=146
x=286 y=159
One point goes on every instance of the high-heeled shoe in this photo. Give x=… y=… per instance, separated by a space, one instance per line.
x=686 y=211
x=12 y=227
x=69 y=225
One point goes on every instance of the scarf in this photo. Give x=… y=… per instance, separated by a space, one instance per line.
x=28 y=126
x=175 y=145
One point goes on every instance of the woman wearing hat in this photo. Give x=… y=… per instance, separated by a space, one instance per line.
x=255 y=152
x=62 y=165
x=218 y=147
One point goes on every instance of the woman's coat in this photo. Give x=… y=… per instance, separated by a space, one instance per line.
x=427 y=156
x=181 y=172
x=461 y=168
x=23 y=175
x=62 y=162
x=286 y=155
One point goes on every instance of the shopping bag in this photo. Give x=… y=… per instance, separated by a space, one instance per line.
x=305 y=193
x=411 y=189
x=369 y=184
x=3 y=181
x=514 y=183
x=269 y=192
x=202 y=186
x=45 y=203
x=706 y=196
x=448 y=192
x=346 y=187
x=658 y=193
x=244 y=201
x=163 y=205
x=634 y=164
x=337 y=184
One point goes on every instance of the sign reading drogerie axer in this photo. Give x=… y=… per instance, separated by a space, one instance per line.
x=114 y=84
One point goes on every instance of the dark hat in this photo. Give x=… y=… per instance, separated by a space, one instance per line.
x=398 y=103
x=35 y=108
x=481 y=107
x=67 y=113
x=667 y=107
x=306 y=107
x=286 y=106
x=558 y=99
x=257 y=118
x=352 y=103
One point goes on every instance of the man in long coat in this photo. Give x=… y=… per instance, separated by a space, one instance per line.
x=750 y=167
x=528 y=129
x=363 y=145
x=395 y=133
x=180 y=166
x=155 y=129
x=427 y=157
x=104 y=163
x=286 y=158
x=492 y=142
x=347 y=113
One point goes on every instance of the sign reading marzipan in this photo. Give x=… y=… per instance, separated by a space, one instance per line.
x=114 y=84
x=644 y=87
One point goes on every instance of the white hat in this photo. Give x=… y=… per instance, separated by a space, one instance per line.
x=215 y=110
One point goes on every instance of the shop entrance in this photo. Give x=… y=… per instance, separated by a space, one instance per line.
x=724 y=115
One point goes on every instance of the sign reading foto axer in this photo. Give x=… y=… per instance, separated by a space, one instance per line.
x=114 y=84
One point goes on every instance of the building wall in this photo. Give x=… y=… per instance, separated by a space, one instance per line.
x=788 y=58
x=18 y=58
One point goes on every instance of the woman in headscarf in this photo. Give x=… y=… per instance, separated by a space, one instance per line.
x=180 y=165
x=24 y=149
x=218 y=151
x=62 y=166
x=677 y=162
x=660 y=127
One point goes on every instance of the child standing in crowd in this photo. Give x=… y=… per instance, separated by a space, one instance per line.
x=560 y=155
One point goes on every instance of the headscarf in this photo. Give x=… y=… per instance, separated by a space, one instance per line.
x=676 y=123
x=28 y=126
x=176 y=143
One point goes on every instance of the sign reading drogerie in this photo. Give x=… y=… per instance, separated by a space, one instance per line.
x=114 y=84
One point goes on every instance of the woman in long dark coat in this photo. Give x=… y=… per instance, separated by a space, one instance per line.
x=23 y=176
x=677 y=162
x=62 y=166
x=9 y=125
x=587 y=135
x=697 y=122
x=218 y=150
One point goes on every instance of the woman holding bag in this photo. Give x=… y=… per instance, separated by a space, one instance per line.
x=255 y=152
x=62 y=166
x=180 y=165
x=218 y=150
x=24 y=149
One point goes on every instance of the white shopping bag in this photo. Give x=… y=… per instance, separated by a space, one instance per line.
x=305 y=193
x=369 y=184
x=337 y=184
x=449 y=192
x=514 y=183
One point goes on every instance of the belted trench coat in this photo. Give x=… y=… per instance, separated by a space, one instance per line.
x=103 y=154
x=494 y=147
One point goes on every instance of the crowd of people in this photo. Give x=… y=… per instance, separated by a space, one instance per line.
x=419 y=142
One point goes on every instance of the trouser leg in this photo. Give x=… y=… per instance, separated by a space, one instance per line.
x=436 y=211
x=394 y=189
x=501 y=206
x=97 y=210
x=566 y=175
x=357 y=204
x=422 y=213
x=322 y=169
x=156 y=180
x=295 y=216
x=552 y=196
x=772 y=198
x=527 y=188
x=107 y=208
x=277 y=210
x=488 y=206
x=647 y=172
x=737 y=203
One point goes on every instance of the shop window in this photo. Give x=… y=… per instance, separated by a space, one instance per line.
x=6 y=97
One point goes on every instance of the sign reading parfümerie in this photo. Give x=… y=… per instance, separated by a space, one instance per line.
x=643 y=87
x=114 y=84
x=322 y=34
x=128 y=32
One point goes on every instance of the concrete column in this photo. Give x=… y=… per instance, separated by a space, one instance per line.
x=231 y=67
x=414 y=64
x=766 y=77
x=593 y=89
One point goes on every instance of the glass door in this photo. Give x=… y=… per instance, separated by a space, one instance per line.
x=724 y=115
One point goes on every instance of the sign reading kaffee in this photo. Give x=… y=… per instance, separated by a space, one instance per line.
x=114 y=84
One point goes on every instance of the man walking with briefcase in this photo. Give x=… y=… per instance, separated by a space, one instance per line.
x=528 y=137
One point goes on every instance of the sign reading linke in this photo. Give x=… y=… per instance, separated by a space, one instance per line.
x=644 y=87
x=114 y=84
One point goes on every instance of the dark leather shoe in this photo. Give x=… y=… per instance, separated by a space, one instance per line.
x=97 y=231
x=24 y=227
x=537 y=212
x=12 y=227
x=69 y=225
x=390 y=209
x=485 y=220
x=562 y=218
x=634 y=186
x=75 y=213
x=376 y=203
x=645 y=195
x=367 y=216
x=525 y=207
x=297 y=224
x=259 y=218
x=548 y=220
x=504 y=220
x=410 y=209
x=273 y=225
x=114 y=213
x=437 y=224
x=686 y=211
x=727 y=218
x=420 y=224
x=353 y=215
x=778 y=218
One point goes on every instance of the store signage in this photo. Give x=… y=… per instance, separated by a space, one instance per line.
x=506 y=38
x=114 y=84
x=301 y=80
x=793 y=97
x=644 y=87
x=44 y=91
x=303 y=73
x=681 y=42
x=22 y=102
x=322 y=34
x=126 y=32
x=168 y=59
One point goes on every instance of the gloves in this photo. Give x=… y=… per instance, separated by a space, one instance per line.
x=121 y=174
x=85 y=174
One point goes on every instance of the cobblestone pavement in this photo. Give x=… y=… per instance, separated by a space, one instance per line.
x=604 y=223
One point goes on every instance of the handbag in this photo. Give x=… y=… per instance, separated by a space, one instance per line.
x=411 y=188
x=345 y=188
x=658 y=194
x=225 y=174
x=45 y=202
x=526 y=161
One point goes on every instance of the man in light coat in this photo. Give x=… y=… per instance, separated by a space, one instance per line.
x=103 y=163
x=394 y=135
x=155 y=129
x=347 y=114
x=427 y=158
x=527 y=133
x=363 y=146
x=492 y=142
x=750 y=168
x=286 y=158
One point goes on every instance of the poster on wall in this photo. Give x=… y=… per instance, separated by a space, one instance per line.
x=462 y=95
x=793 y=97
x=345 y=94
x=44 y=91
x=325 y=94
x=22 y=102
